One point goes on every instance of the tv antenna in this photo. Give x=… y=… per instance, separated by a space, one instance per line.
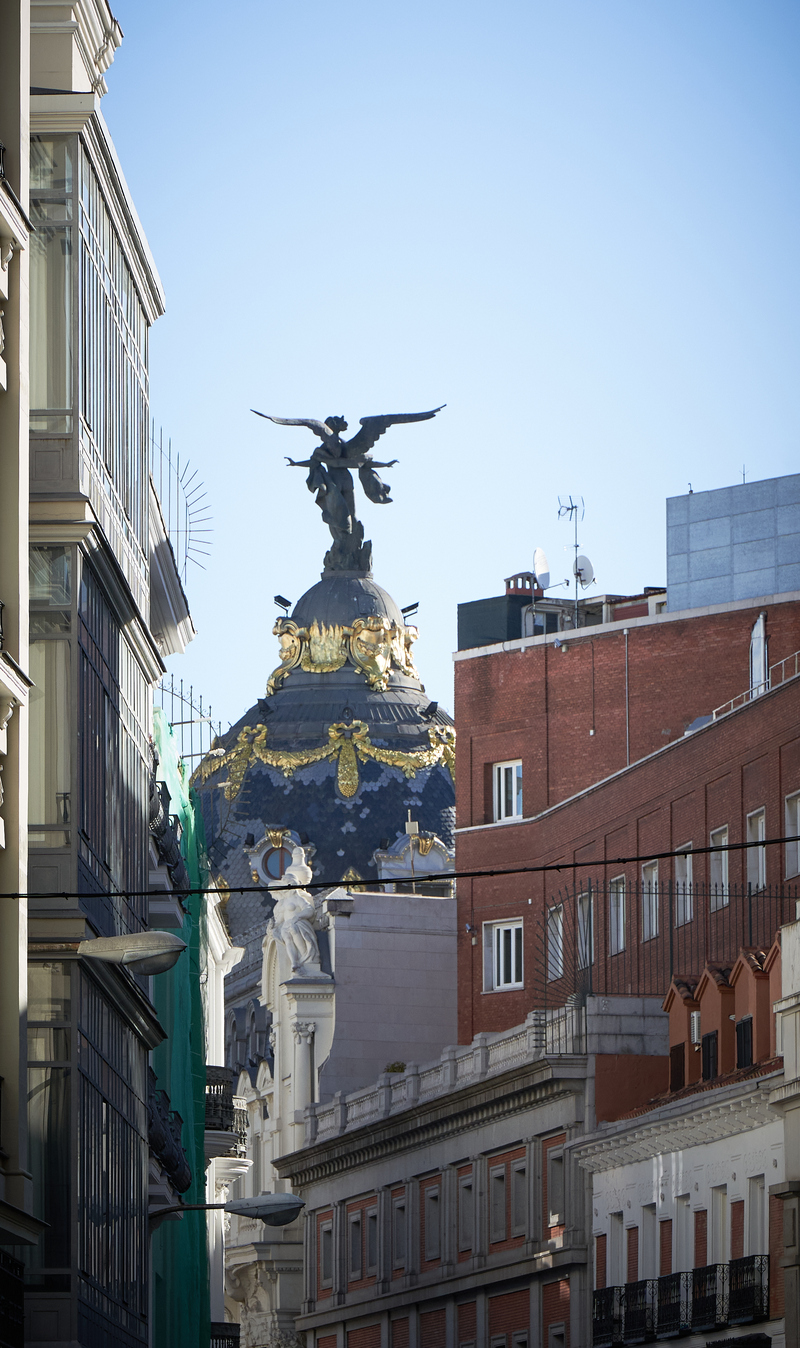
x=582 y=569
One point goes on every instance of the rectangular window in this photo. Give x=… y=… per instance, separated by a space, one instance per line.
x=719 y=1225
x=677 y=1067
x=709 y=1049
x=399 y=1233
x=718 y=869
x=585 y=931
x=326 y=1254
x=683 y=886
x=615 y=1245
x=432 y=1225
x=694 y=1027
x=466 y=1213
x=649 y=1260
x=744 y=1042
x=793 y=831
x=759 y=660
x=649 y=900
x=755 y=1219
x=555 y=1188
x=497 y=1204
x=555 y=944
x=51 y=303
x=354 y=1269
x=502 y=955
x=683 y=1234
x=757 y=855
x=616 y=915
x=50 y=759
x=372 y=1240
x=519 y=1198
x=507 y=779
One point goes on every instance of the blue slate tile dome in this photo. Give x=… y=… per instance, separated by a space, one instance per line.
x=337 y=762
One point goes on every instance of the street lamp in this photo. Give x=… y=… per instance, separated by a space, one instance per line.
x=143 y=952
x=272 y=1209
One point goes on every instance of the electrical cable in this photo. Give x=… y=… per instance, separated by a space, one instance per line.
x=437 y=877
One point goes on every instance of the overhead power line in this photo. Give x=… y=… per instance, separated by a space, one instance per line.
x=437 y=877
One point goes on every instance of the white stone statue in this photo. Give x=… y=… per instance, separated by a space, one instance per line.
x=294 y=916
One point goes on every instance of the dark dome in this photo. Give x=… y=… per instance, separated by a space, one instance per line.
x=341 y=597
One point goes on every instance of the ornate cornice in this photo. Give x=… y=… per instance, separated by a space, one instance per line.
x=678 y=1129
x=458 y=1112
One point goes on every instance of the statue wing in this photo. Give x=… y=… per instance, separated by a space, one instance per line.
x=372 y=428
x=318 y=427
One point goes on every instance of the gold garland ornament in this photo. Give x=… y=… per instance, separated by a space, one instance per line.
x=347 y=744
x=373 y=645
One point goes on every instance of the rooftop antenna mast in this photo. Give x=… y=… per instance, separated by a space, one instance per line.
x=582 y=569
x=570 y=508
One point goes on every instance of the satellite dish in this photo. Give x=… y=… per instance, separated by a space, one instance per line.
x=541 y=569
x=584 y=571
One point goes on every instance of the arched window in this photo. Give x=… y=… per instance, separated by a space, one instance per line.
x=275 y=861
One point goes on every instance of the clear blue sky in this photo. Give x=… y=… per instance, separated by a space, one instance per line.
x=575 y=222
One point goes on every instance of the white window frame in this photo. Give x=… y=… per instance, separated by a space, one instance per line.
x=757 y=856
x=555 y=943
x=649 y=900
x=507 y=789
x=503 y=960
x=585 y=908
x=718 y=869
x=684 y=903
x=759 y=658
x=617 y=888
x=792 y=815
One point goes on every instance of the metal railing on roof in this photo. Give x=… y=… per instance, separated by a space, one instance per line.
x=190 y=720
x=779 y=673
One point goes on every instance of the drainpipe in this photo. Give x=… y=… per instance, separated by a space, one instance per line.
x=627 y=705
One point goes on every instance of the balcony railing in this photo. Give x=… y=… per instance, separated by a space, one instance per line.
x=608 y=1316
x=703 y=1300
x=748 y=1289
x=225 y=1112
x=639 y=1325
x=224 y=1335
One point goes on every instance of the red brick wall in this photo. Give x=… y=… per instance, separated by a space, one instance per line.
x=701 y=1238
x=697 y=784
x=467 y=1322
x=399 y=1334
x=549 y=1231
x=737 y=1229
x=555 y=1307
x=625 y=1080
x=509 y=1313
x=665 y=1247
x=776 y=1274
x=633 y=1254
x=600 y=1259
x=432 y=1329
x=367 y=1337
x=540 y=706
x=326 y=1341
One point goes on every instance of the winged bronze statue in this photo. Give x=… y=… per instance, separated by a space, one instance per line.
x=331 y=478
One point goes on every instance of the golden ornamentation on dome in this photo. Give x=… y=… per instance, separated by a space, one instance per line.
x=347 y=744
x=373 y=645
